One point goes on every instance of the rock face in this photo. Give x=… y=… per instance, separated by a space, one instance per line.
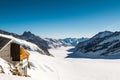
x=102 y=45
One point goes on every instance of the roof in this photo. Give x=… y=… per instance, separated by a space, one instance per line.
x=3 y=42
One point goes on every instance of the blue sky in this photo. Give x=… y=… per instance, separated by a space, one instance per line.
x=60 y=18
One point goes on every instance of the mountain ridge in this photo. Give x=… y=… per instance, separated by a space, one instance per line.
x=50 y=42
x=102 y=45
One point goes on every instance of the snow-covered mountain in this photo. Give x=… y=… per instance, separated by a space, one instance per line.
x=75 y=41
x=50 y=42
x=56 y=43
x=67 y=42
x=103 y=45
x=45 y=42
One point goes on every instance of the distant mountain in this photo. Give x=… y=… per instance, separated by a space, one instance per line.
x=103 y=45
x=75 y=41
x=50 y=42
x=56 y=43
x=9 y=33
x=45 y=42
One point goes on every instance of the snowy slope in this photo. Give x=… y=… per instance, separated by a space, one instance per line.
x=11 y=77
x=103 y=34
x=102 y=45
x=41 y=67
x=4 y=64
x=7 y=75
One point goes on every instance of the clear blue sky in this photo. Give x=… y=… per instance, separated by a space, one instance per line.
x=60 y=18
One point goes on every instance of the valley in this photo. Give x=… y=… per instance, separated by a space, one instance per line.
x=82 y=68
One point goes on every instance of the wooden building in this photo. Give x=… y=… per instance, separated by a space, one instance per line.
x=15 y=54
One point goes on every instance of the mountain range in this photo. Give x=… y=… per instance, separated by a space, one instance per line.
x=45 y=43
x=50 y=42
x=103 y=45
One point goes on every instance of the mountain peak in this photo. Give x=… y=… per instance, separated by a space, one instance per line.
x=103 y=34
x=27 y=33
